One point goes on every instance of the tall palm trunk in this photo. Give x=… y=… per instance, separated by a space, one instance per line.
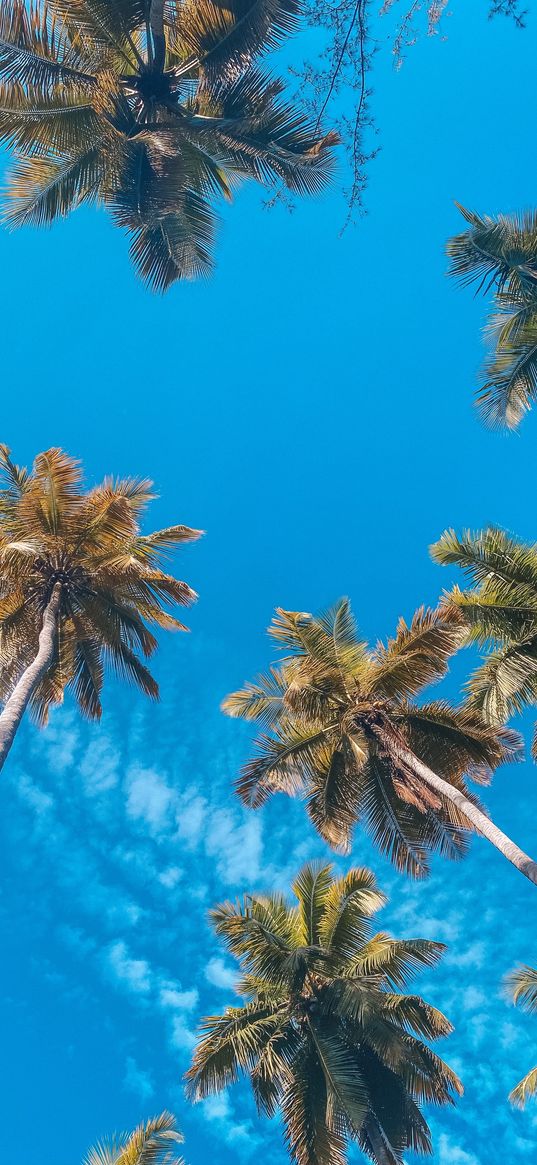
x=481 y=823
x=17 y=703
x=156 y=22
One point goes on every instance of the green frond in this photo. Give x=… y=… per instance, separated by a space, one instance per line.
x=399 y=831
x=489 y=557
x=418 y=655
x=458 y=741
x=42 y=189
x=284 y=761
x=349 y=904
x=151 y=1143
x=36 y=123
x=521 y=985
x=310 y=1138
x=222 y=39
x=525 y=1089
x=395 y=960
x=102 y=23
x=230 y=1045
x=498 y=252
x=262 y=701
x=36 y=50
x=176 y=246
x=510 y=376
x=334 y=796
x=311 y=887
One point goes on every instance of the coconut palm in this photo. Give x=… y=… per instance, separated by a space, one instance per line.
x=500 y=255
x=345 y=732
x=325 y=1032
x=152 y=1143
x=152 y=108
x=522 y=986
x=79 y=587
x=500 y=611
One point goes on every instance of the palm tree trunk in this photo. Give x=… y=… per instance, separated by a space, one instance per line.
x=16 y=705
x=481 y=823
x=377 y=1142
x=156 y=21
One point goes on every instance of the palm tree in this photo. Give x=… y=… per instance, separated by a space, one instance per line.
x=324 y=1031
x=79 y=587
x=345 y=732
x=149 y=1144
x=500 y=611
x=152 y=108
x=522 y=986
x=500 y=255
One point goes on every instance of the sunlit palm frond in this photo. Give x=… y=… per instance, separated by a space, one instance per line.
x=95 y=109
x=53 y=534
x=418 y=655
x=224 y=39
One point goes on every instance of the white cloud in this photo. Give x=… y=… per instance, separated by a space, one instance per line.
x=219 y=974
x=149 y=798
x=451 y=1154
x=182 y=1036
x=133 y=973
x=170 y=877
x=473 y=998
x=99 y=766
x=171 y=996
x=137 y=1080
x=237 y=848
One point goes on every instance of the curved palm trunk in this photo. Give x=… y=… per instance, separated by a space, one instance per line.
x=481 y=823
x=156 y=23
x=16 y=705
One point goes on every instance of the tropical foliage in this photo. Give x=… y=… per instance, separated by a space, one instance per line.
x=500 y=256
x=325 y=1032
x=82 y=550
x=152 y=1143
x=522 y=985
x=500 y=610
x=153 y=108
x=343 y=729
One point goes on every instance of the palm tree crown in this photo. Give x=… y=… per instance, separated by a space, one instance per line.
x=344 y=731
x=81 y=551
x=522 y=986
x=151 y=1143
x=501 y=255
x=500 y=610
x=152 y=108
x=325 y=1033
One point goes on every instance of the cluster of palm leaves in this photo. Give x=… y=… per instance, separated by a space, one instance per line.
x=154 y=109
x=325 y=1033
x=500 y=612
x=83 y=552
x=345 y=731
x=500 y=255
x=522 y=986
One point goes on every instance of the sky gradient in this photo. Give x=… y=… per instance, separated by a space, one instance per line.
x=311 y=408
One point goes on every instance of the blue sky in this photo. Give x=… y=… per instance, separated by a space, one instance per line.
x=311 y=408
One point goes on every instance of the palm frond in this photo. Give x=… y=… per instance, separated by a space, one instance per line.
x=522 y=987
x=223 y=39
x=418 y=655
x=526 y=1088
x=42 y=189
